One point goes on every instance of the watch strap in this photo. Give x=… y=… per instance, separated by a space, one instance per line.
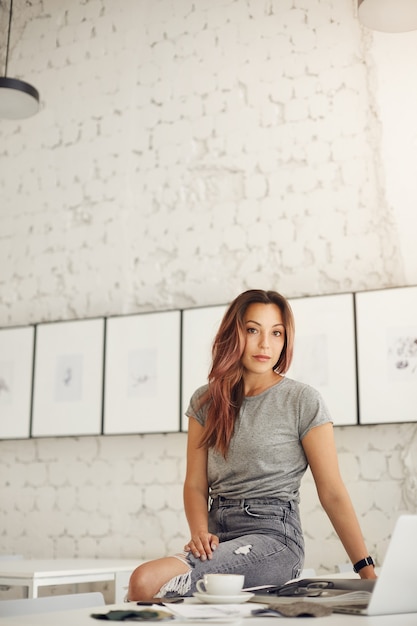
x=368 y=560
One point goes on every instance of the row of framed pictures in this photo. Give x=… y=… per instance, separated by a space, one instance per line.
x=136 y=373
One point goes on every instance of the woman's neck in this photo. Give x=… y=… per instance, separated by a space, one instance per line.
x=253 y=386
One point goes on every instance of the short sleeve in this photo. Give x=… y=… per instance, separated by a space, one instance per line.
x=313 y=411
x=195 y=408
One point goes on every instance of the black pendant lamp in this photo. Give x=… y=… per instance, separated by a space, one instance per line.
x=17 y=98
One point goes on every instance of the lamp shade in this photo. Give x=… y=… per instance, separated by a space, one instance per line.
x=390 y=16
x=17 y=99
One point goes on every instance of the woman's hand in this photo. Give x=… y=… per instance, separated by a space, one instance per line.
x=202 y=546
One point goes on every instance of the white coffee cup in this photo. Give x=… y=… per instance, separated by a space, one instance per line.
x=221 y=584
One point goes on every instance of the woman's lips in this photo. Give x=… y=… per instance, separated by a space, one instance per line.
x=261 y=357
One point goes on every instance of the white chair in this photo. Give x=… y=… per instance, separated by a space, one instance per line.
x=308 y=572
x=344 y=567
x=28 y=606
x=10 y=557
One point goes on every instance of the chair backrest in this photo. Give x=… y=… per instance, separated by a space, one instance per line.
x=10 y=557
x=308 y=572
x=344 y=567
x=28 y=606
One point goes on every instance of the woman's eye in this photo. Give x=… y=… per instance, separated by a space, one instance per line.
x=251 y=330
x=277 y=333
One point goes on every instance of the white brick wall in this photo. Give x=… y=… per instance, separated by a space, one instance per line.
x=186 y=151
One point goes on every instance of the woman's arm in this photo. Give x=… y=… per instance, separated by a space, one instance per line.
x=202 y=543
x=320 y=449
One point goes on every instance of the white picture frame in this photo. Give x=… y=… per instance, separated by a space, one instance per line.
x=142 y=373
x=324 y=352
x=199 y=327
x=16 y=378
x=68 y=380
x=387 y=355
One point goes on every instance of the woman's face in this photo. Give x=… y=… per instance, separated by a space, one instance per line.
x=265 y=337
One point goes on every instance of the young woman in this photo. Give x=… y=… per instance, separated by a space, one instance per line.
x=252 y=433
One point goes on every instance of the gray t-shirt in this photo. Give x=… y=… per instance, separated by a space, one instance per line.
x=265 y=458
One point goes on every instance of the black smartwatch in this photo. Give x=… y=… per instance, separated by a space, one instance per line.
x=363 y=563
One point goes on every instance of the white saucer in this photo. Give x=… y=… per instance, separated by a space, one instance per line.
x=210 y=599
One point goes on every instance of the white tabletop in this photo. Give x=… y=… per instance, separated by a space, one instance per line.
x=45 y=568
x=82 y=617
x=33 y=573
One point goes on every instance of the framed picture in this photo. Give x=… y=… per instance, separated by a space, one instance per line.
x=324 y=352
x=16 y=372
x=142 y=373
x=68 y=382
x=387 y=355
x=199 y=327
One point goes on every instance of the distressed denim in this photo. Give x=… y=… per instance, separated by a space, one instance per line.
x=259 y=537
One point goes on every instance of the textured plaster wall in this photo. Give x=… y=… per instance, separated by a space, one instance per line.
x=185 y=151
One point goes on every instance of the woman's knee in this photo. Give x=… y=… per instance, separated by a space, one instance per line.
x=149 y=579
x=141 y=583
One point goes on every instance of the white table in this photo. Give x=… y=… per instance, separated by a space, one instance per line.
x=33 y=574
x=82 y=617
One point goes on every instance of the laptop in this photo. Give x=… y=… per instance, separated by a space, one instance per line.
x=394 y=591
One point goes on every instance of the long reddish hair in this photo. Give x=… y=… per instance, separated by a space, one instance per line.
x=225 y=393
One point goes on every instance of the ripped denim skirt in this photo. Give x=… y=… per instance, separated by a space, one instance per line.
x=259 y=537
